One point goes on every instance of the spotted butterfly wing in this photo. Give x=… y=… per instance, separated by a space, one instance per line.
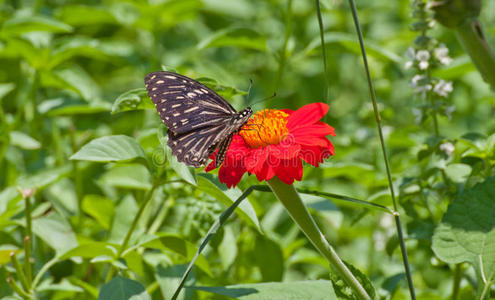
x=199 y=121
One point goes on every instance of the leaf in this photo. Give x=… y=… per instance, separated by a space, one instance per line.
x=20 y=25
x=467 y=230
x=300 y=290
x=210 y=185
x=113 y=148
x=63 y=285
x=235 y=37
x=56 y=232
x=23 y=141
x=350 y=42
x=132 y=100
x=178 y=245
x=43 y=178
x=65 y=107
x=120 y=288
x=123 y=216
x=343 y=291
x=271 y=263
x=130 y=176
x=227 y=250
x=78 y=80
x=168 y=278
x=91 y=250
x=79 y=15
x=458 y=172
x=6 y=88
x=184 y=172
x=100 y=208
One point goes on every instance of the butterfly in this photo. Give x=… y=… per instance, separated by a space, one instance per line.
x=199 y=121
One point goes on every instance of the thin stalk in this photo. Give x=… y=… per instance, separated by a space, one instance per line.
x=161 y=216
x=457 y=281
x=470 y=34
x=486 y=290
x=19 y=271
x=384 y=150
x=291 y=200
x=152 y=287
x=43 y=270
x=323 y=50
x=27 y=241
x=283 y=51
x=127 y=237
x=17 y=288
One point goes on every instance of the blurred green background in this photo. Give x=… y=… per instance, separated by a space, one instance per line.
x=63 y=65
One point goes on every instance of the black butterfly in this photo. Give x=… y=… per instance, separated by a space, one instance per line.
x=199 y=121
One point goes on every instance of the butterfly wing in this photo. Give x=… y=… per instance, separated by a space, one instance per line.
x=185 y=104
x=198 y=119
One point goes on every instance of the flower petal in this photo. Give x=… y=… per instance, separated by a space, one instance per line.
x=308 y=114
x=288 y=170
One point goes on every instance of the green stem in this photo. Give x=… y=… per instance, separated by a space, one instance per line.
x=384 y=150
x=486 y=290
x=19 y=271
x=18 y=289
x=470 y=35
x=43 y=270
x=457 y=281
x=289 y=197
x=127 y=237
x=27 y=242
x=283 y=51
x=323 y=50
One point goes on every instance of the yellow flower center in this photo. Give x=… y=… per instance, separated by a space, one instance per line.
x=266 y=127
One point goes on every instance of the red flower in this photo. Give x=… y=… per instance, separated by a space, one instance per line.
x=273 y=142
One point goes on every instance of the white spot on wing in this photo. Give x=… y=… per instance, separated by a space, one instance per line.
x=170 y=77
x=160 y=82
x=191 y=109
x=176 y=105
x=191 y=94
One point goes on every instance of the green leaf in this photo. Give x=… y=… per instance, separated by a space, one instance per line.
x=271 y=263
x=6 y=88
x=168 y=279
x=343 y=291
x=179 y=245
x=91 y=250
x=123 y=217
x=132 y=100
x=43 y=178
x=78 y=80
x=130 y=176
x=227 y=250
x=458 y=172
x=184 y=172
x=350 y=42
x=63 y=285
x=113 y=148
x=67 y=107
x=56 y=232
x=100 y=208
x=467 y=230
x=23 y=141
x=301 y=290
x=210 y=185
x=81 y=15
x=20 y=25
x=235 y=37
x=120 y=288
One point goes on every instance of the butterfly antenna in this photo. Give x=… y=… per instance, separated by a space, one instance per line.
x=264 y=99
x=249 y=89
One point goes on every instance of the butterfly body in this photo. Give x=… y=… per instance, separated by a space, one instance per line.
x=199 y=121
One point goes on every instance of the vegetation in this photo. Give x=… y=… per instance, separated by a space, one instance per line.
x=93 y=204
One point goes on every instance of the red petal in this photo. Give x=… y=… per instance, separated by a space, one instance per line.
x=321 y=129
x=308 y=114
x=315 y=155
x=289 y=170
x=231 y=171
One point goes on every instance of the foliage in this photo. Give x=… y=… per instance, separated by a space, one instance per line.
x=82 y=152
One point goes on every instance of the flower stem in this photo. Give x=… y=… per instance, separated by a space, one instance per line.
x=323 y=50
x=384 y=150
x=457 y=281
x=289 y=197
x=470 y=35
